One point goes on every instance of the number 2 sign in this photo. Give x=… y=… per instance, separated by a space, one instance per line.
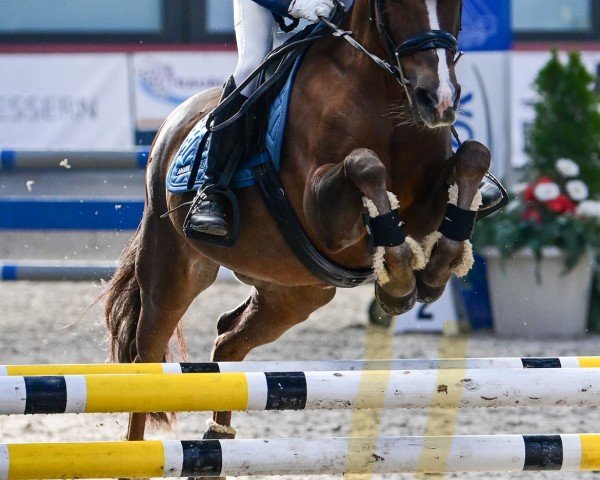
x=429 y=318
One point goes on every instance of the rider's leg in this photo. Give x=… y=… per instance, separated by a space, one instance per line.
x=254 y=29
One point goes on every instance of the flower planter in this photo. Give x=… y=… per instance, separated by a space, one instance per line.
x=525 y=308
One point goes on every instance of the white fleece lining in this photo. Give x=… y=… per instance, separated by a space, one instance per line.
x=224 y=429
x=467 y=259
x=394 y=203
x=379 y=266
x=466 y=262
x=453 y=194
x=477 y=201
x=418 y=260
x=429 y=243
x=371 y=208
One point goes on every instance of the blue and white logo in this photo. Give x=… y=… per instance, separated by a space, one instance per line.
x=486 y=25
x=161 y=81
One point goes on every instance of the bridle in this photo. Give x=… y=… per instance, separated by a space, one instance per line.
x=429 y=40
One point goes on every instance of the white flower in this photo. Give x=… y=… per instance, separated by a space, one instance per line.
x=513 y=205
x=589 y=208
x=545 y=192
x=519 y=188
x=577 y=190
x=567 y=168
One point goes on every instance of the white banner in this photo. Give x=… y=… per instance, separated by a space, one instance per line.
x=485 y=113
x=57 y=100
x=525 y=68
x=164 y=80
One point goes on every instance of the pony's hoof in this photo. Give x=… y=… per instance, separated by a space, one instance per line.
x=216 y=432
x=394 y=306
x=427 y=293
x=378 y=317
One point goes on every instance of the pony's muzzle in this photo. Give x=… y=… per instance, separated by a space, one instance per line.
x=437 y=107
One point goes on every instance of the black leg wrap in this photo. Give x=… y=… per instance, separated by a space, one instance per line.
x=392 y=305
x=386 y=230
x=458 y=223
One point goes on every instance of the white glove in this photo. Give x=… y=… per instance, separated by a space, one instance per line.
x=311 y=10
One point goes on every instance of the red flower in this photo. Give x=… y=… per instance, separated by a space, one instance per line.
x=562 y=204
x=528 y=194
x=532 y=215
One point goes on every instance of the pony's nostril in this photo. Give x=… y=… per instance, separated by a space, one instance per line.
x=426 y=98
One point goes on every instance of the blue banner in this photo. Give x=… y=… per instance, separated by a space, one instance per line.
x=486 y=25
x=66 y=213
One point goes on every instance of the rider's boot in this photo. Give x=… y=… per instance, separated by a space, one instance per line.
x=208 y=213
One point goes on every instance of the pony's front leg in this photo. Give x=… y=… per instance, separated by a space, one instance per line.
x=334 y=201
x=449 y=250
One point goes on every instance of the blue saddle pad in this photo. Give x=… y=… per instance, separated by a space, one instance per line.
x=180 y=170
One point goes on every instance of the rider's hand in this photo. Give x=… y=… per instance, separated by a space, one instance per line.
x=311 y=10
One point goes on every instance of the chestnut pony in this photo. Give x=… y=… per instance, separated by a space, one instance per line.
x=354 y=135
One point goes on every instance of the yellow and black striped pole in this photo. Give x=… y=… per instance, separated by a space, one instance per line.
x=298 y=391
x=214 y=458
x=300 y=366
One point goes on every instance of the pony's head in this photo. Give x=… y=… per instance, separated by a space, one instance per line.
x=421 y=35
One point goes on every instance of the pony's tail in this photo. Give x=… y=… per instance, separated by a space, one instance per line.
x=122 y=314
x=123 y=305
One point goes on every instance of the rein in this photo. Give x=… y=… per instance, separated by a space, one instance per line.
x=276 y=56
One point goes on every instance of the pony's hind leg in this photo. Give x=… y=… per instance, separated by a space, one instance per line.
x=166 y=295
x=269 y=311
x=165 y=275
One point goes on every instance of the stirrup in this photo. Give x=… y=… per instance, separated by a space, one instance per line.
x=234 y=224
x=497 y=194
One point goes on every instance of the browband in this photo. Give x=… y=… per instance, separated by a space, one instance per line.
x=430 y=40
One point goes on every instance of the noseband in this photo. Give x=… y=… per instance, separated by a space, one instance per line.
x=422 y=42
